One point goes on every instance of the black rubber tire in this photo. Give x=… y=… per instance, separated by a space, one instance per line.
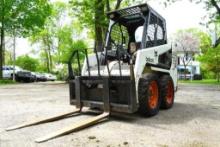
x=164 y=84
x=144 y=95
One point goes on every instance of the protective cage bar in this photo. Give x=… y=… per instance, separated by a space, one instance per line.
x=104 y=55
x=76 y=54
x=96 y=90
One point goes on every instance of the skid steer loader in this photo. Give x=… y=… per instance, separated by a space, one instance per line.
x=135 y=72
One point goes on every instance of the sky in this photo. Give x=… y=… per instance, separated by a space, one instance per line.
x=180 y=15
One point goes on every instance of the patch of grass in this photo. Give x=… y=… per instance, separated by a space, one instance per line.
x=204 y=81
x=4 y=82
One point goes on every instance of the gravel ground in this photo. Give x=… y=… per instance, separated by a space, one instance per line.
x=194 y=121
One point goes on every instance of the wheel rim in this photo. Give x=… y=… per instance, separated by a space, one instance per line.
x=169 y=96
x=153 y=95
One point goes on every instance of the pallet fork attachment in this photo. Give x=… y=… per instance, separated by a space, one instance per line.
x=77 y=126
x=45 y=120
x=74 y=127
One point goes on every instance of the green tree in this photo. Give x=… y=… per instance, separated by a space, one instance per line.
x=92 y=14
x=210 y=56
x=66 y=47
x=21 y=18
x=186 y=45
x=47 y=36
x=27 y=62
x=205 y=41
x=213 y=8
x=205 y=47
x=45 y=39
x=211 y=61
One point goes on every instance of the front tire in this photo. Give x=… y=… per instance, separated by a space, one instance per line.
x=148 y=95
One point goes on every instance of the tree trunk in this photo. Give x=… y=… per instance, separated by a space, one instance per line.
x=1 y=50
x=184 y=64
x=99 y=39
x=117 y=6
x=14 y=54
x=50 y=58
x=215 y=4
x=49 y=53
x=218 y=77
x=99 y=24
x=47 y=60
x=46 y=54
x=2 y=40
x=185 y=72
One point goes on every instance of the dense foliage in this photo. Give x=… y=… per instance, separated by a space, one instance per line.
x=21 y=18
x=27 y=62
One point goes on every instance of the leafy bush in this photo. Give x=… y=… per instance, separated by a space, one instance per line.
x=66 y=49
x=207 y=74
x=27 y=62
x=211 y=63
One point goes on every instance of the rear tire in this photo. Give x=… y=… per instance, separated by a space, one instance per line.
x=148 y=95
x=166 y=92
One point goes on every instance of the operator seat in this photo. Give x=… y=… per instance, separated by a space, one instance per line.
x=134 y=46
x=138 y=36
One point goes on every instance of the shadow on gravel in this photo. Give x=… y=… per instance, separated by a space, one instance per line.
x=180 y=113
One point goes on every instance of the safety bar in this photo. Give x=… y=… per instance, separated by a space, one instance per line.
x=76 y=54
x=97 y=58
x=119 y=63
x=87 y=61
x=106 y=61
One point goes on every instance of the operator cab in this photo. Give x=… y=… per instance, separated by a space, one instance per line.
x=133 y=29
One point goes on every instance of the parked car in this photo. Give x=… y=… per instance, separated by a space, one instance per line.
x=8 y=71
x=40 y=77
x=197 y=77
x=50 y=77
x=33 y=77
x=24 y=76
